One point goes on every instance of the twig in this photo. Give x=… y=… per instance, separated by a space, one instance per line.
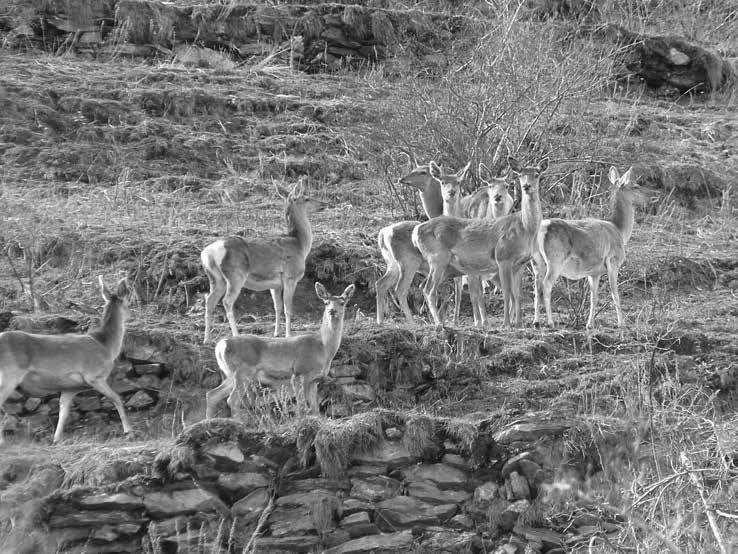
x=709 y=511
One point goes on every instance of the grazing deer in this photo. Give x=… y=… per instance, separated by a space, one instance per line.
x=68 y=364
x=588 y=247
x=477 y=247
x=276 y=263
x=394 y=241
x=276 y=361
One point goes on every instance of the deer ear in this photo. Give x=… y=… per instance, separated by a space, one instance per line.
x=462 y=172
x=614 y=174
x=122 y=290
x=435 y=170
x=514 y=164
x=282 y=192
x=482 y=169
x=348 y=292
x=104 y=290
x=543 y=165
x=321 y=292
x=627 y=177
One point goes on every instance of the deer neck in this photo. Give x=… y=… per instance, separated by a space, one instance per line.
x=111 y=331
x=530 y=213
x=431 y=199
x=623 y=216
x=298 y=226
x=452 y=207
x=330 y=335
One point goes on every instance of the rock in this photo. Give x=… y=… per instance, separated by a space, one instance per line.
x=507 y=548
x=393 y=433
x=87 y=403
x=367 y=470
x=354 y=505
x=139 y=401
x=443 y=475
x=403 y=511
x=447 y=540
x=510 y=514
x=120 y=500
x=455 y=460
x=429 y=492
x=375 y=488
x=151 y=382
x=461 y=521
x=339 y=371
x=487 y=492
x=284 y=522
x=523 y=464
x=359 y=391
x=304 y=498
x=93 y=518
x=242 y=483
x=226 y=453
x=358 y=524
x=547 y=537
x=309 y=485
x=300 y=543
x=519 y=486
x=32 y=404
x=13 y=408
x=166 y=504
x=251 y=506
x=149 y=369
x=390 y=453
x=123 y=386
x=388 y=543
x=529 y=432
x=358 y=517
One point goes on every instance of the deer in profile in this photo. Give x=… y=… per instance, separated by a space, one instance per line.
x=476 y=247
x=394 y=241
x=275 y=362
x=276 y=263
x=588 y=248
x=67 y=364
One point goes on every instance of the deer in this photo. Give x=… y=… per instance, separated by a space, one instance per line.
x=394 y=241
x=70 y=363
x=276 y=263
x=588 y=248
x=276 y=361
x=476 y=247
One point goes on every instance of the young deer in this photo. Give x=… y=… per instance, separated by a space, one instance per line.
x=276 y=263
x=68 y=364
x=394 y=241
x=588 y=247
x=275 y=361
x=477 y=247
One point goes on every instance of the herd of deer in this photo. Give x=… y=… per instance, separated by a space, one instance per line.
x=471 y=238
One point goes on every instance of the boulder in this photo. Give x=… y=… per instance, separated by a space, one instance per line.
x=429 y=492
x=443 y=475
x=167 y=504
x=374 y=489
x=242 y=483
x=251 y=506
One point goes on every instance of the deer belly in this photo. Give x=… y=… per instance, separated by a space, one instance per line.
x=40 y=383
x=577 y=268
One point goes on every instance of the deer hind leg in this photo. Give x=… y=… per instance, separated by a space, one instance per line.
x=538 y=268
x=212 y=397
x=402 y=288
x=476 y=294
x=594 y=285
x=278 y=308
x=101 y=386
x=612 y=276
x=547 y=286
x=233 y=289
x=216 y=292
x=506 y=281
x=311 y=396
x=458 y=291
x=516 y=292
x=383 y=285
x=288 y=292
x=430 y=290
x=65 y=406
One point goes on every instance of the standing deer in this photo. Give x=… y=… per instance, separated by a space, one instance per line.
x=276 y=361
x=68 y=364
x=477 y=247
x=588 y=247
x=276 y=263
x=402 y=258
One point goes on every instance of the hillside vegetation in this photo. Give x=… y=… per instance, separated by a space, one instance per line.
x=134 y=133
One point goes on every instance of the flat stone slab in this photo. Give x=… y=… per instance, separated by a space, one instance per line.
x=251 y=505
x=385 y=543
x=403 y=511
x=391 y=453
x=243 y=482
x=165 y=504
x=429 y=492
x=443 y=475
x=529 y=432
x=119 y=500
x=376 y=488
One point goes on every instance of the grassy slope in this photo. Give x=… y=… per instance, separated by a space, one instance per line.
x=130 y=168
